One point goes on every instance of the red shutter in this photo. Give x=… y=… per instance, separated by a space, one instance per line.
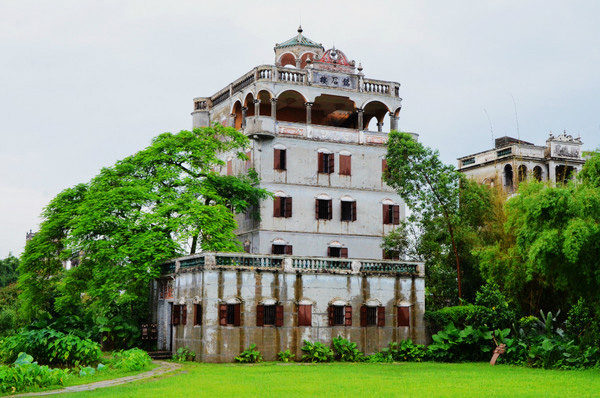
x=328 y=251
x=223 y=314
x=344 y=252
x=363 y=315
x=386 y=214
x=348 y=315
x=403 y=316
x=236 y=315
x=329 y=209
x=384 y=167
x=381 y=316
x=317 y=209
x=288 y=207
x=175 y=316
x=331 y=163
x=273 y=249
x=396 y=210
x=305 y=315
x=183 y=314
x=277 y=159
x=345 y=165
x=260 y=315
x=320 y=162
x=331 y=315
x=229 y=167
x=288 y=250
x=277 y=206
x=279 y=315
x=353 y=211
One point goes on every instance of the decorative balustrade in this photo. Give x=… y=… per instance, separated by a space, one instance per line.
x=374 y=86
x=316 y=263
x=168 y=267
x=265 y=73
x=244 y=82
x=220 y=97
x=248 y=260
x=192 y=262
x=289 y=76
x=387 y=266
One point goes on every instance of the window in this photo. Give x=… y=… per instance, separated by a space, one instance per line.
x=345 y=165
x=391 y=255
x=282 y=206
x=340 y=315
x=391 y=214
x=229 y=314
x=404 y=316
x=323 y=209
x=197 y=314
x=179 y=315
x=230 y=167
x=269 y=315
x=326 y=163
x=281 y=249
x=348 y=210
x=341 y=252
x=372 y=316
x=304 y=315
x=279 y=159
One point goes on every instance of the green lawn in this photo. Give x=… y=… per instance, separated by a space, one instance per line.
x=361 y=380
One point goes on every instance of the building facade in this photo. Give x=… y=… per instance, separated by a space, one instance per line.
x=513 y=161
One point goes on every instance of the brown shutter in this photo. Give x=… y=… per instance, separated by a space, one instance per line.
x=363 y=315
x=236 y=314
x=331 y=163
x=353 y=211
x=277 y=206
x=277 y=159
x=279 y=315
x=384 y=167
x=329 y=209
x=305 y=315
x=348 y=315
x=288 y=207
x=260 y=315
x=288 y=250
x=381 y=316
x=331 y=315
x=396 y=210
x=229 y=167
x=273 y=249
x=317 y=209
x=175 y=316
x=386 y=214
x=328 y=251
x=184 y=314
x=344 y=252
x=223 y=314
x=403 y=316
x=345 y=165
x=320 y=162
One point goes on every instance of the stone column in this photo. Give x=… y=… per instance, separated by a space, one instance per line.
x=393 y=121
x=379 y=126
x=256 y=107
x=308 y=112
x=298 y=63
x=232 y=120
x=274 y=108
x=360 y=118
x=244 y=111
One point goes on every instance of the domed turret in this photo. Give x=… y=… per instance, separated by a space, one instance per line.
x=297 y=51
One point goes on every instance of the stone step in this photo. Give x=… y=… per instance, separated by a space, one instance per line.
x=160 y=354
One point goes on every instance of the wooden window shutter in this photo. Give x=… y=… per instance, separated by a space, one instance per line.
x=396 y=211
x=329 y=209
x=260 y=315
x=363 y=315
x=288 y=207
x=384 y=167
x=345 y=165
x=223 y=314
x=320 y=162
x=328 y=251
x=344 y=252
x=403 y=316
x=288 y=250
x=277 y=159
x=175 y=316
x=331 y=315
x=277 y=206
x=229 y=167
x=348 y=315
x=279 y=315
x=331 y=163
x=353 y=211
x=305 y=315
x=381 y=316
x=236 y=314
x=317 y=209
x=183 y=314
x=386 y=214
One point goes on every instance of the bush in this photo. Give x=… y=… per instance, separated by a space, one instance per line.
x=184 y=354
x=459 y=316
x=25 y=373
x=316 y=352
x=249 y=355
x=285 y=356
x=133 y=359
x=346 y=351
x=455 y=345
x=405 y=351
x=582 y=324
x=8 y=320
x=50 y=347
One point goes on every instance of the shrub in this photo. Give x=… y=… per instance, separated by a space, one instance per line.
x=316 y=352
x=51 y=347
x=454 y=345
x=249 y=355
x=407 y=351
x=285 y=356
x=459 y=315
x=346 y=351
x=25 y=373
x=8 y=320
x=133 y=359
x=582 y=324
x=184 y=354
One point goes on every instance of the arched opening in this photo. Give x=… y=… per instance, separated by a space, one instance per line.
x=249 y=104
x=304 y=58
x=237 y=112
x=265 y=102
x=291 y=108
x=537 y=173
x=332 y=110
x=564 y=173
x=522 y=173
x=508 y=176
x=288 y=59
x=376 y=110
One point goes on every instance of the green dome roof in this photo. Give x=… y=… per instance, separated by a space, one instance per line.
x=299 y=40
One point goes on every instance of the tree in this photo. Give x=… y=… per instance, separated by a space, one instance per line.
x=8 y=270
x=429 y=187
x=151 y=206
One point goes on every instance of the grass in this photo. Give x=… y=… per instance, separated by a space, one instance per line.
x=360 y=380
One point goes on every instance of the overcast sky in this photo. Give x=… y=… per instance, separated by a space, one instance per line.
x=85 y=83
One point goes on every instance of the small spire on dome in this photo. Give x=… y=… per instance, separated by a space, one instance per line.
x=300 y=29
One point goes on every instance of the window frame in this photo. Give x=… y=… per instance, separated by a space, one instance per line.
x=282 y=206
x=198 y=314
x=403 y=316
x=230 y=314
x=269 y=315
x=329 y=210
x=391 y=214
x=304 y=314
x=375 y=318
x=352 y=211
x=179 y=315
x=326 y=162
x=280 y=159
x=334 y=319
x=345 y=165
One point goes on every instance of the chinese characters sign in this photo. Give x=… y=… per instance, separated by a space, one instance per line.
x=337 y=80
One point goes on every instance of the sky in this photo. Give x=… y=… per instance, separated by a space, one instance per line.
x=86 y=83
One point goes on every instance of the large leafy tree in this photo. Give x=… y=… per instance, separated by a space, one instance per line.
x=163 y=201
x=8 y=270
